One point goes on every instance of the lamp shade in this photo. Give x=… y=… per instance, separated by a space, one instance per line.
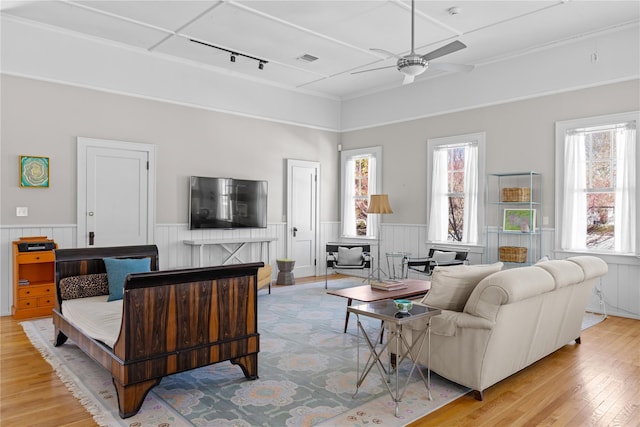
x=379 y=204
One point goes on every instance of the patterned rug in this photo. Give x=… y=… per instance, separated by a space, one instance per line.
x=307 y=370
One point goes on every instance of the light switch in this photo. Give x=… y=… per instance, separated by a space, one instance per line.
x=22 y=211
x=545 y=220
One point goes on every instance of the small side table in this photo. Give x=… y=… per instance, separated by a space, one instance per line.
x=387 y=312
x=285 y=271
x=392 y=259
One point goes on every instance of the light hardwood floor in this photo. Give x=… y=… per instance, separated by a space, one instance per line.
x=596 y=383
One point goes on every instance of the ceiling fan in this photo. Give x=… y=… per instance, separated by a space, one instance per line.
x=413 y=65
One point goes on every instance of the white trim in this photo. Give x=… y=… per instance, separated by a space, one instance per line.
x=480 y=139
x=291 y=163
x=346 y=154
x=561 y=128
x=83 y=144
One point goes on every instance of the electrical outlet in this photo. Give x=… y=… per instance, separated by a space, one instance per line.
x=22 y=211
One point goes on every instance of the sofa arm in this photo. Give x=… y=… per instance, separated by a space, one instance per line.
x=447 y=322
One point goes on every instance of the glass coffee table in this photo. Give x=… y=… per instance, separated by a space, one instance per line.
x=366 y=293
x=395 y=321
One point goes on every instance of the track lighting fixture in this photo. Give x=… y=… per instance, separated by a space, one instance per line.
x=233 y=54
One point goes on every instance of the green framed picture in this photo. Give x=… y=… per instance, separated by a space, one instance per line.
x=34 y=172
x=523 y=220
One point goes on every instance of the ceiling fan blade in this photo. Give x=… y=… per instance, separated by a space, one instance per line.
x=386 y=52
x=373 y=69
x=407 y=79
x=445 y=66
x=444 y=50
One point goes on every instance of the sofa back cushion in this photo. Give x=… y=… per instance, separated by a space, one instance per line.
x=591 y=266
x=564 y=273
x=451 y=286
x=506 y=287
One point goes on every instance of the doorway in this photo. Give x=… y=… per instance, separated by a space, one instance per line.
x=116 y=193
x=303 y=178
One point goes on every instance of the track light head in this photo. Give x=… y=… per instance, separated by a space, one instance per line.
x=233 y=57
x=261 y=65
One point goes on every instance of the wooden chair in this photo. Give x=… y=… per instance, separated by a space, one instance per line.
x=437 y=257
x=335 y=262
x=264 y=276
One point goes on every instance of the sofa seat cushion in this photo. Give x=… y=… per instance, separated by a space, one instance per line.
x=451 y=286
x=95 y=317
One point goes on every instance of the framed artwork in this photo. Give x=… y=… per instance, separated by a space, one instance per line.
x=34 y=171
x=519 y=220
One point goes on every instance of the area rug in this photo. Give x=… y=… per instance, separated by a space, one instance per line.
x=307 y=369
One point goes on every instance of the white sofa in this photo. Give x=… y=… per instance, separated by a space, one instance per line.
x=511 y=319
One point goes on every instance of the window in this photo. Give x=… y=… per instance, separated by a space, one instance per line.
x=597 y=188
x=360 y=178
x=457 y=170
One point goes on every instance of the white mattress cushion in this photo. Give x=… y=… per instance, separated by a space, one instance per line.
x=95 y=317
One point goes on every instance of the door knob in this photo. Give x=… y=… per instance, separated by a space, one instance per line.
x=295 y=230
x=92 y=235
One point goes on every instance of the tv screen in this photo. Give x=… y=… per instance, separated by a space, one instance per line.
x=227 y=203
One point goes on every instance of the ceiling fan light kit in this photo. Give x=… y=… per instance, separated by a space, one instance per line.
x=413 y=65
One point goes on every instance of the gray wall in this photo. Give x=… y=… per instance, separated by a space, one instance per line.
x=520 y=137
x=44 y=119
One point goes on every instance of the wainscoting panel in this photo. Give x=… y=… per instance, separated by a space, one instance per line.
x=620 y=288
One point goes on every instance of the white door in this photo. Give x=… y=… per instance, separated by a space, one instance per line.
x=302 y=215
x=115 y=193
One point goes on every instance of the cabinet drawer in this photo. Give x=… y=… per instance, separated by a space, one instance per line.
x=46 y=301
x=35 y=291
x=27 y=303
x=35 y=257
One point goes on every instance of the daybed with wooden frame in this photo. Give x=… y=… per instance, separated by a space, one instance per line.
x=172 y=321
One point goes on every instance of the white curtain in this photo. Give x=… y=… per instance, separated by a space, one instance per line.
x=348 y=207
x=470 y=218
x=574 y=204
x=439 y=213
x=372 y=220
x=625 y=204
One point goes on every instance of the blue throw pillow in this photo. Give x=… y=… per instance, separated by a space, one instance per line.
x=117 y=270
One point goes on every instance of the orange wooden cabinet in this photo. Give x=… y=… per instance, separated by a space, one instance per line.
x=33 y=278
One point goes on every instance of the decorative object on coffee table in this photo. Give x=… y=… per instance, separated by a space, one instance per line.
x=285 y=271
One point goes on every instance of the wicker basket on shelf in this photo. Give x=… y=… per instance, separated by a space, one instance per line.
x=516 y=194
x=512 y=254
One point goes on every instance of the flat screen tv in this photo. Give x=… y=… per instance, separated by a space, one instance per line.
x=227 y=203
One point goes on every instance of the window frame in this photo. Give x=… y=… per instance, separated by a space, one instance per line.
x=478 y=138
x=584 y=123
x=376 y=152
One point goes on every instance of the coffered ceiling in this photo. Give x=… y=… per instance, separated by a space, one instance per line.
x=338 y=33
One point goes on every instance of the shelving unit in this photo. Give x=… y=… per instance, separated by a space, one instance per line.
x=33 y=277
x=513 y=215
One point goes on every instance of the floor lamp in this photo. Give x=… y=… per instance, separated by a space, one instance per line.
x=379 y=204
